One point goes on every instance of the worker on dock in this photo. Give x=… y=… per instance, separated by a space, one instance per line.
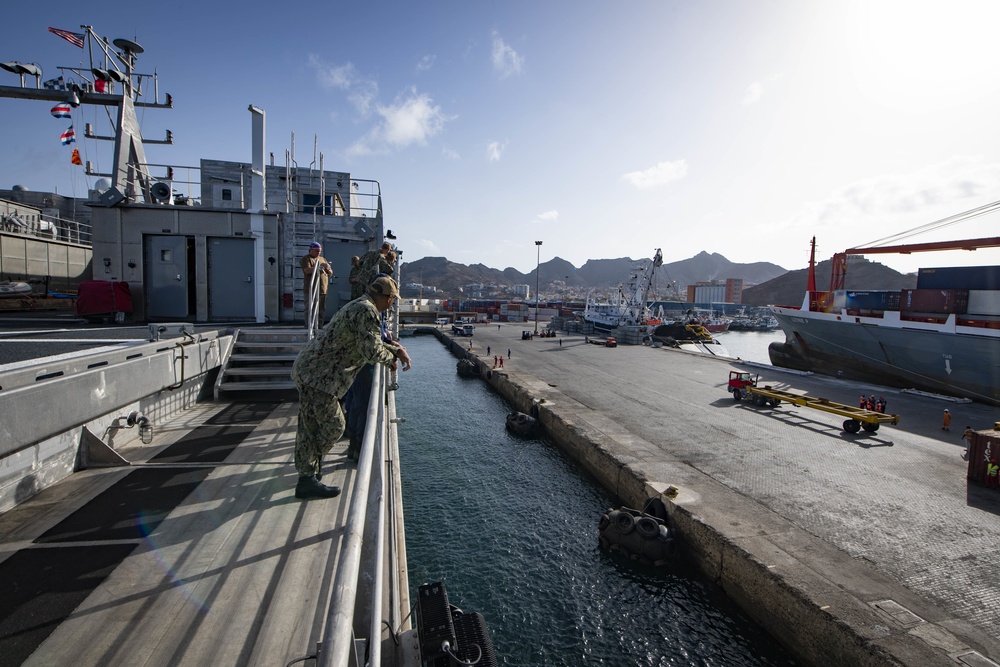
x=946 y=420
x=325 y=369
x=992 y=469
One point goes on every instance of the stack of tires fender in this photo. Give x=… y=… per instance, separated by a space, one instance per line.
x=640 y=536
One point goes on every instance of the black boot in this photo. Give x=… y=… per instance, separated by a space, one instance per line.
x=310 y=487
x=354 y=448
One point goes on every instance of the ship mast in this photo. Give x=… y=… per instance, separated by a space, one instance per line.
x=130 y=177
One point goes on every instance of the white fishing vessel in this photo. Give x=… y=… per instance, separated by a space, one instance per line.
x=629 y=305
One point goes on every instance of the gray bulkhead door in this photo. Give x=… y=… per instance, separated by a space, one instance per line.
x=230 y=278
x=167 y=281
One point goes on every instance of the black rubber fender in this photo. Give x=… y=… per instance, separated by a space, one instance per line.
x=624 y=522
x=648 y=527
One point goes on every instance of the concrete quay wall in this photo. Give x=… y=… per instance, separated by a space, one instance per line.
x=825 y=607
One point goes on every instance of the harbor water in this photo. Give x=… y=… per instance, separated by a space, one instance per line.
x=510 y=526
x=750 y=345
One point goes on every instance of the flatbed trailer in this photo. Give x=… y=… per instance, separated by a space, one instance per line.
x=744 y=386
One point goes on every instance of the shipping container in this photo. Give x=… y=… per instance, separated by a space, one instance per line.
x=872 y=300
x=984 y=302
x=934 y=300
x=960 y=277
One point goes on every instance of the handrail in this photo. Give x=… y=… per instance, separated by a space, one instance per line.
x=338 y=642
x=312 y=312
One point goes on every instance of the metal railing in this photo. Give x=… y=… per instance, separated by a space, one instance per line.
x=313 y=324
x=373 y=496
x=48 y=227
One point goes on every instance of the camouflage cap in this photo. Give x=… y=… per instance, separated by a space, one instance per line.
x=383 y=286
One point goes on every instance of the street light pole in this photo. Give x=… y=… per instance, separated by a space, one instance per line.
x=538 y=259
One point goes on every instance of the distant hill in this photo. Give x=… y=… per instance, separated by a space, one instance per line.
x=560 y=275
x=788 y=289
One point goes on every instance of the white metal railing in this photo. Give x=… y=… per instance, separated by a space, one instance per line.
x=371 y=497
x=47 y=227
x=313 y=324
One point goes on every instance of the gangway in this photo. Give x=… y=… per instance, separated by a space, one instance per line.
x=743 y=385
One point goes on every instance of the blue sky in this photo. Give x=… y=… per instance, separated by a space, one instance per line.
x=604 y=129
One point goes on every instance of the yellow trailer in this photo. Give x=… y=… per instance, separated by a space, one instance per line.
x=743 y=385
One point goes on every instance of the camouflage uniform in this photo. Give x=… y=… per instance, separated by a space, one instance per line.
x=308 y=264
x=324 y=371
x=373 y=263
x=357 y=287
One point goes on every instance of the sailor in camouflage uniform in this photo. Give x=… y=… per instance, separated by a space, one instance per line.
x=324 y=371
x=375 y=262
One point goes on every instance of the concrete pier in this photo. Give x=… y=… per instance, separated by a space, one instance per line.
x=850 y=549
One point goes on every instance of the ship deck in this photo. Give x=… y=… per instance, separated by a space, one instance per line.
x=196 y=552
x=191 y=561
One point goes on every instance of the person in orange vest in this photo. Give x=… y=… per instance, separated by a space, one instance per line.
x=991 y=474
x=946 y=420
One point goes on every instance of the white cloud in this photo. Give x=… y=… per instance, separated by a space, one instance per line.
x=426 y=63
x=451 y=154
x=887 y=200
x=548 y=216
x=409 y=120
x=661 y=174
x=494 y=150
x=361 y=91
x=753 y=93
x=506 y=60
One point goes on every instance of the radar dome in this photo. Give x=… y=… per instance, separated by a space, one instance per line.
x=102 y=184
x=19 y=188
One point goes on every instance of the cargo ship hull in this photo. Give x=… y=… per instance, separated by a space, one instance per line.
x=948 y=358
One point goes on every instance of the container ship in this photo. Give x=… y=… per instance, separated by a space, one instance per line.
x=942 y=337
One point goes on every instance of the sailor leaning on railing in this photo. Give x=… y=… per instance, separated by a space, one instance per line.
x=324 y=371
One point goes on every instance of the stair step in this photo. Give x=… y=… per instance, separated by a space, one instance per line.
x=264 y=345
x=281 y=371
x=257 y=386
x=296 y=334
x=263 y=357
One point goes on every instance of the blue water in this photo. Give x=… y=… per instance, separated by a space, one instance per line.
x=510 y=526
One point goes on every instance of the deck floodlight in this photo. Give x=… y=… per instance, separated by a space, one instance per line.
x=23 y=68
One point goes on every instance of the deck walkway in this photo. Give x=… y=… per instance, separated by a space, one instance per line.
x=239 y=573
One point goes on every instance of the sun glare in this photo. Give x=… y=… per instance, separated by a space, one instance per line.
x=914 y=55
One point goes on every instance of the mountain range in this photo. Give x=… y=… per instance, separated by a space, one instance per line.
x=767 y=283
x=558 y=273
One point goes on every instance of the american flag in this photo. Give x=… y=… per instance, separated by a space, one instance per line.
x=68 y=137
x=74 y=38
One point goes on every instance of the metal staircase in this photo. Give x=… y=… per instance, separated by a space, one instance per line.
x=260 y=361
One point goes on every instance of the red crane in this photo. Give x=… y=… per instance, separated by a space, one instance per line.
x=840 y=259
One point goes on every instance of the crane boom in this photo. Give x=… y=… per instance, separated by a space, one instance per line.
x=839 y=272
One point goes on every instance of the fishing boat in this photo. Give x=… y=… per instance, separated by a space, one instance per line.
x=629 y=306
x=942 y=337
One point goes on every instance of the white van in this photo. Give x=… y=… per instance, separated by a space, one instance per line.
x=441 y=321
